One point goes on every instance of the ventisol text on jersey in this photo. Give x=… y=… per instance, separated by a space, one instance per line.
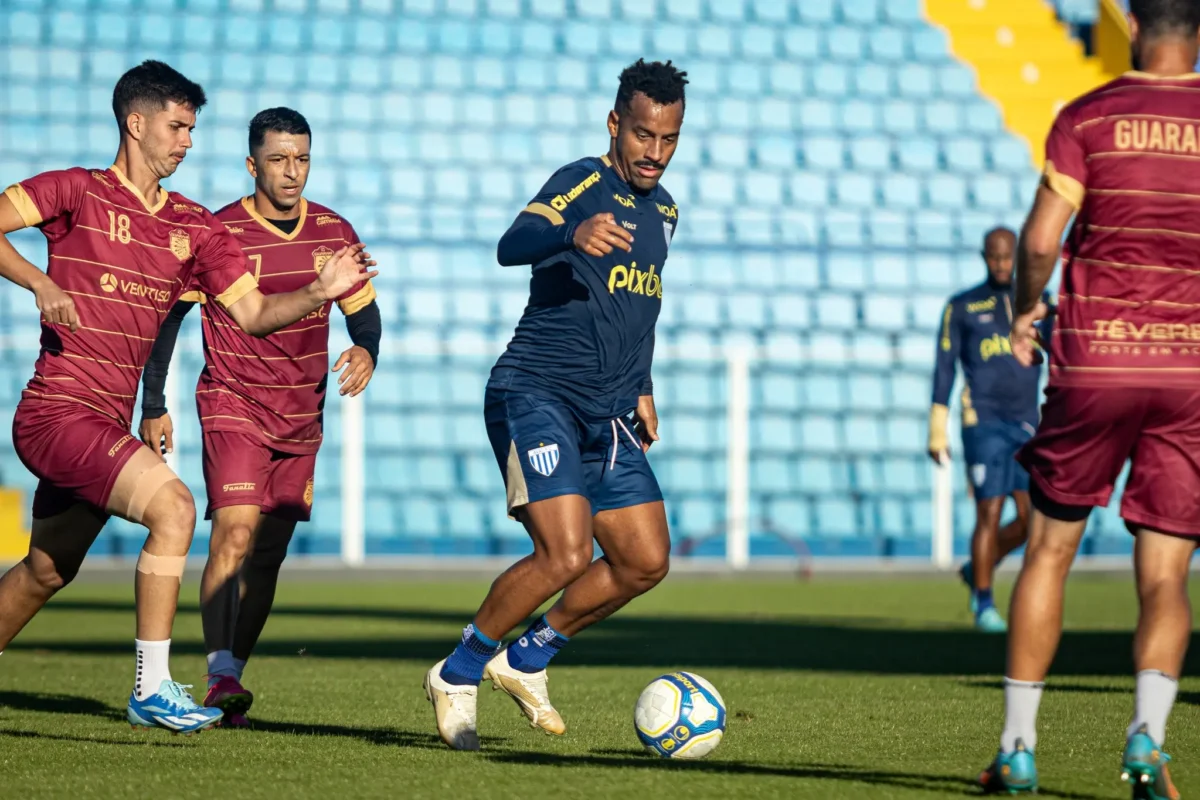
x=110 y=283
x=635 y=281
x=1167 y=137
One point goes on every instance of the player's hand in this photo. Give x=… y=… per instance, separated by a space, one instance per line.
x=645 y=421
x=940 y=456
x=1026 y=338
x=598 y=235
x=361 y=368
x=158 y=434
x=55 y=304
x=347 y=268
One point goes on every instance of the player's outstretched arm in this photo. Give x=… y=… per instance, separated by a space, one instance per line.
x=260 y=315
x=946 y=363
x=157 y=431
x=55 y=304
x=535 y=237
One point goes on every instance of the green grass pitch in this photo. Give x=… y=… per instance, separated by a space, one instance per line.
x=835 y=687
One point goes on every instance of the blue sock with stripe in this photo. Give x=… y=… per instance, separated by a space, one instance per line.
x=983 y=600
x=465 y=665
x=536 y=646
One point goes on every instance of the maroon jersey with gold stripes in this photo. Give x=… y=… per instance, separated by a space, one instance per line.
x=124 y=261
x=1127 y=156
x=274 y=387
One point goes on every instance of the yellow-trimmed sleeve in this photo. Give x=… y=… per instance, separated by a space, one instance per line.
x=1070 y=189
x=358 y=301
x=239 y=289
x=24 y=205
x=543 y=210
x=192 y=297
x=939 y=416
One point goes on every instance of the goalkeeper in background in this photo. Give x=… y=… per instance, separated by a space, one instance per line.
x=999 y=414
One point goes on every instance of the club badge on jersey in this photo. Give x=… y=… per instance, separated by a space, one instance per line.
x=668 y=232
x=544 y=459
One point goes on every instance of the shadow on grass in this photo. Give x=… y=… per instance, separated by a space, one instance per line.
x=1185 y=698
x=384 y=737
x=57 y=704
x=635 y=759
x=59 y=737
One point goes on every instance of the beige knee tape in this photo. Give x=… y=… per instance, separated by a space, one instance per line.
x=147 y=486
x=166 y=566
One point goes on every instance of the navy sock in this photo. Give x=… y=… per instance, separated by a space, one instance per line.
x=983 y=599
x=533 y=651
x=465 y=665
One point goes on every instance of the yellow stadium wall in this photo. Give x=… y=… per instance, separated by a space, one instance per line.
x=14 y=539
x=1024 y=58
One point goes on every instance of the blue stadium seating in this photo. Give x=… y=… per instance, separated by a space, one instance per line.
x=835 y=174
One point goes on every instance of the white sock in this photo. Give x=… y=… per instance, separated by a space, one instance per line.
x=1021 y=700
x=1152 y=705
x=221 y=664
x=153 y=667
x=239 y=664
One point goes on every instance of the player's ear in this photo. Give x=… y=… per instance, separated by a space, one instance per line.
x=250 y=167
x=614 y=123
x=133 y=124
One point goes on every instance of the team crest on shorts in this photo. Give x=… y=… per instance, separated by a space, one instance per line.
x=544 y=459
x=181 y=244
x=978 y=474
x=308 y=492
x=668 y=232
x=320 y=257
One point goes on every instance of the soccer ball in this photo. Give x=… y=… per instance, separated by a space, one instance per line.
x=680 y=715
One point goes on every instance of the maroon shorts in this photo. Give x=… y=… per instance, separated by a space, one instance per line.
x=240 y=470
x=76 y=453
x=1087 y=434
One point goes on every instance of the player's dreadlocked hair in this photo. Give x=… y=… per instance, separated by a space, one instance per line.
x=280 y=120
x=1162 y=17
x=662 y=83
x=151 y=85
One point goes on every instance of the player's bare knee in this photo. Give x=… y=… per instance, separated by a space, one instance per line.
x=49 y=574
x=231 y=541
x=171 y=515
x=569 y=563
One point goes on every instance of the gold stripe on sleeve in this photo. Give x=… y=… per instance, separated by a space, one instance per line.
x=1070 y=189
x=358 y=301
x=24 y=205
x=543 y=210
x=239 y=289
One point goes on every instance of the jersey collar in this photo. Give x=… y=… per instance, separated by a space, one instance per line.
x=151 y=208
x=248 y=205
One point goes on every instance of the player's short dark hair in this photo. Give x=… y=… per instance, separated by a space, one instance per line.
x=987 y=237
x=1161 y=17
x=280 y=120
x=151 y=85
x=662 y=83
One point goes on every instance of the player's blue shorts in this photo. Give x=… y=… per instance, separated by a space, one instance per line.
x=990 y=449
x=544 y=450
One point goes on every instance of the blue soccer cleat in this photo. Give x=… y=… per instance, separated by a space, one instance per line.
x=1145 y=767
x=990 y=621
x=1012 y=773
x=171 y=707
x=967 y=573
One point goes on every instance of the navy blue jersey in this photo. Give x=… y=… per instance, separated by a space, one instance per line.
x=587 y=335
x=975 y=331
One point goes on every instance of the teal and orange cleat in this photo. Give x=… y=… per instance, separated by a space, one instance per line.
x=1145 y=767
x=171 y=707
x=967 y=573
x=228 y=694
x=1011 y=773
